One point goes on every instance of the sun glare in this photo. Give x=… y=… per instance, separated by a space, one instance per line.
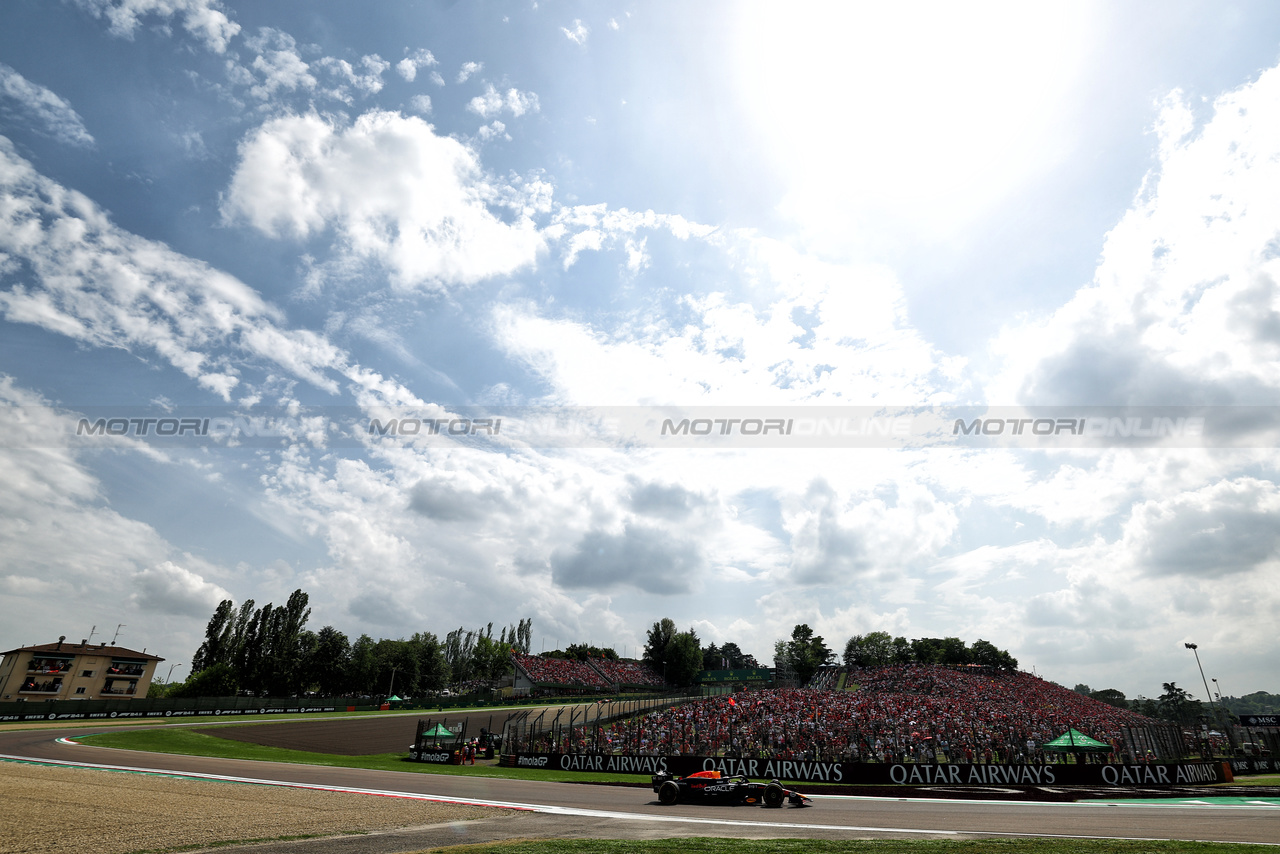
x=927 y=114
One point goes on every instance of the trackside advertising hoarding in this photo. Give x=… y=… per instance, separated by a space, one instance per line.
x=37 y=714
x=884 y=774
x=759 y=674
x=1255 y=766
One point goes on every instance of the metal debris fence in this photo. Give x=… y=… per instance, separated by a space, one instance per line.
x=525 y=731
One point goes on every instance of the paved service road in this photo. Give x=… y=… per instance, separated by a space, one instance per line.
x=607 y=811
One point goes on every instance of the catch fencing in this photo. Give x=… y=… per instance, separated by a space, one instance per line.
x=581 y=728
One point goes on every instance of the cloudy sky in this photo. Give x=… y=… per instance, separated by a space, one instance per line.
x=314 y=207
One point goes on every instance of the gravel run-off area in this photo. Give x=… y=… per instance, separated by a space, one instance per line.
x=55 y=810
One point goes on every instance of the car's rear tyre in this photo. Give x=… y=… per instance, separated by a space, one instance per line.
x=668 y=793
x=774 y=795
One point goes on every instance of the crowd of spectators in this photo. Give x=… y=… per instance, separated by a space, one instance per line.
x=923 y=713
x=627 y=672
x=596 y=673
x=559 y=672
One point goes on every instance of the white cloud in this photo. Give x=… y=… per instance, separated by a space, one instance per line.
x=170 y=589
x=421 y=104
x=103 y=286
x=44 y=108
x=193 y=144
x=468 y=69
x=452 y=532
x=641 y=557
x=595 y=227
x=846 y=543
x=278 y=65
x=637 y=259
x=204 y=19
x=493 y=130
x=393 y=191
x=492 y=103
x=1184 y=307
x=61 y=539
x=815 y=332
x=577 y=35
x=1228 y=528
x=368 y=80
x=408 y=67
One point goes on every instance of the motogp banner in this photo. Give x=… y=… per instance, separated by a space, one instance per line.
x=884 y=774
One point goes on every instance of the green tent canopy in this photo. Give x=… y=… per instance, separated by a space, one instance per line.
x=1074 y=741
x=438 y=731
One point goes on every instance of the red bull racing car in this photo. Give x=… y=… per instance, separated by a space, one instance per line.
x=708 y=787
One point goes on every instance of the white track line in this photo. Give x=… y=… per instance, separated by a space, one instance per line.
x=577 y=811
x=1135 y=803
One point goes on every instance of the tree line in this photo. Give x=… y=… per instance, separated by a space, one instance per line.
x=797 y=659
x=876 y=649
x=1178 y=705
x=269 y=651
x=680 y=656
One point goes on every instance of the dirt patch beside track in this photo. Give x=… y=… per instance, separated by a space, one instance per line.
x=353 y=736
x=53 y=810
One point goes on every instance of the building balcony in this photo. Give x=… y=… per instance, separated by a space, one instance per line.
x=120 y=691
x=41 y=687
x=47 y=665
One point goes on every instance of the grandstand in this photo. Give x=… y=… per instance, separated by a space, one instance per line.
x=624 y=675
x=542 y=674
x=921 y=713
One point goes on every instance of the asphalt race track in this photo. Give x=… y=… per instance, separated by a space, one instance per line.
x=563 y=810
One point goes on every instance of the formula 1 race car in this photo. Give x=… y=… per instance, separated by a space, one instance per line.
x=708 y=787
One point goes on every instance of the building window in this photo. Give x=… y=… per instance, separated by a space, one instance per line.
x=80 y=690
x=86 y=673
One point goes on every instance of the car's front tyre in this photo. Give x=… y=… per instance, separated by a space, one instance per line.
x=774 y=795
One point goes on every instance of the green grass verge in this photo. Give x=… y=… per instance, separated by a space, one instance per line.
x=191 y=743
x=220 y=720
x=1256 y=780
x=187 y=741
x=821 y=846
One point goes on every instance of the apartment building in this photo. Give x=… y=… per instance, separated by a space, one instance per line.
x=69 y=671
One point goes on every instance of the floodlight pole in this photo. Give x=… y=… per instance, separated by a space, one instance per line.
x=1217 y=712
